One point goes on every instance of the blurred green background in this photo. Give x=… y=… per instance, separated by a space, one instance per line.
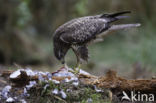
x=27 y=26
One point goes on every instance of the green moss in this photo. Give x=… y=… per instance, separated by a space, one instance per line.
x=81 y=93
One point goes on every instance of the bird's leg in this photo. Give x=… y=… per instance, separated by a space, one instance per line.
x=78 y=65
x=77 y=68
x=65 y=65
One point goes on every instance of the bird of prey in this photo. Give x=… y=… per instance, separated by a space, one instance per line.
x=78 y=33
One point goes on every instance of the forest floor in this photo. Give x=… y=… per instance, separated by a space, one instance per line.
x=63 y=86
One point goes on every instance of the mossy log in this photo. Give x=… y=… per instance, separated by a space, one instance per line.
x=109 y=81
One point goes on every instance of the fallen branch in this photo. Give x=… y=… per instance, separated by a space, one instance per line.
x=118 y=84
x=115 y=83
x=110 y=81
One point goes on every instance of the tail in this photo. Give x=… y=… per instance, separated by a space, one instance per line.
x=115 y=16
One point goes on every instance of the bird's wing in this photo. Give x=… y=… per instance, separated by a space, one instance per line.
x=82 y=31
x=81 y=51
x=85 y=29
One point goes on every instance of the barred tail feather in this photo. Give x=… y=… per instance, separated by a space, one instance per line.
x=115 y=16
x=119 y=13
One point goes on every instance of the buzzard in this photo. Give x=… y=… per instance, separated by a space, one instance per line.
x=78 y=33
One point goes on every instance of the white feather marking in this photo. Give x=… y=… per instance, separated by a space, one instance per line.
x=63 y=40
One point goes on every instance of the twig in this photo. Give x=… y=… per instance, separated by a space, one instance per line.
x=57 y=97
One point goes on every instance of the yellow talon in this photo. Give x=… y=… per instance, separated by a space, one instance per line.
x=77 y=69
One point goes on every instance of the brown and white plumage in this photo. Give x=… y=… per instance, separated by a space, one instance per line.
x=77 y=33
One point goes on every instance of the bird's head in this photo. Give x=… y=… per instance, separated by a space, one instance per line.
x=59 y=55
x=60 y=52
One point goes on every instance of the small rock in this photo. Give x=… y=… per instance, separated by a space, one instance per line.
x=23 y=101
x=63 y=94
x=30 y=72
x=10 y=100
x=40 y=77
x=5 y=91
x=67 y=80
x=31 y=84
x=15 y=74
x=55 y=91
x=75 y=83
x=56 y=82
x=25 y=93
